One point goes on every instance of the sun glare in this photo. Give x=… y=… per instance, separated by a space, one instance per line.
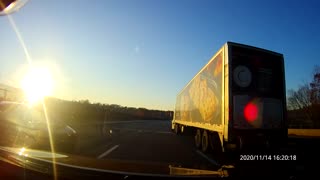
x=37 y=83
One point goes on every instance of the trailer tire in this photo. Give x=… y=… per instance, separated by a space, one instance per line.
x=205 y=141
x=197 y=138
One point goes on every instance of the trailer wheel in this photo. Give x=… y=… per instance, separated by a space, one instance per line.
x=197 y=139
x=204 y=141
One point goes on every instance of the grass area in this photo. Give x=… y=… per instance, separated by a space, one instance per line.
x=304 y=132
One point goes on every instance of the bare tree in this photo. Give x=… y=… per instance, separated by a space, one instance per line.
x=303 y=104
x=315 y=86
x=299 y=99
x=315 y=96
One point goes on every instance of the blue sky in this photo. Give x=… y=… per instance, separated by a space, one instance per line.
x=142 y=53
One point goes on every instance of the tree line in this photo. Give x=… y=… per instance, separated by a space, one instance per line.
x=84 y=111
x=304 y=103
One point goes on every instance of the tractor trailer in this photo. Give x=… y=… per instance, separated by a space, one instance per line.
x=237 y=101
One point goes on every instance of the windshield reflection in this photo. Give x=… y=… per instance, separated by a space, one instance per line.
x=158 y=89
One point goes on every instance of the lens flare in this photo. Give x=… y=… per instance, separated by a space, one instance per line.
x=37 y=83
x=33 y=80
x=21 y=151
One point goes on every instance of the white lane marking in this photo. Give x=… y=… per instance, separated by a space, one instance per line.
x=119 y=122
x=164 y=132
x=143 y=131
x=157 y=132
x=108 y=152
x=207 y=158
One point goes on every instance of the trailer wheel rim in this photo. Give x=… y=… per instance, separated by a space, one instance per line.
x=198 y=139
x=205 y=141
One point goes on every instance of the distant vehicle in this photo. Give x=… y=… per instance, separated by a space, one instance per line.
x=25 y=126
x=236 y=102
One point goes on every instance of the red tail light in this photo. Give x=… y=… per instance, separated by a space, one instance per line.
x=251 y=112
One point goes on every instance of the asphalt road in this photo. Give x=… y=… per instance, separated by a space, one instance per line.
x=152 y=141
x=149 y=141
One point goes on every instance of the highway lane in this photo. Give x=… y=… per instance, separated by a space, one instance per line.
x=149 y=141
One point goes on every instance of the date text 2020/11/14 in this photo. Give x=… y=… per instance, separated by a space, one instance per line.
x=275 y=157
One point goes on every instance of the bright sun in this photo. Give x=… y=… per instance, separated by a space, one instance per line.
x=37 y=83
